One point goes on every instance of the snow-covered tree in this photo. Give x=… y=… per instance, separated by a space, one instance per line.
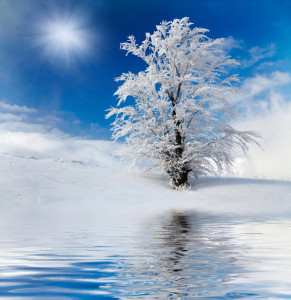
x=181 y=112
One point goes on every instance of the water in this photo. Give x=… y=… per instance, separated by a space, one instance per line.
x=170 y=255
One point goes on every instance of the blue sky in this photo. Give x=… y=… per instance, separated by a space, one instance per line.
x=70 y=92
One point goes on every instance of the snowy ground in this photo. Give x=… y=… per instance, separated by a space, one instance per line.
x=58 y=188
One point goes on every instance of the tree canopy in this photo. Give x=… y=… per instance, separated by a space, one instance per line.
x=181 y=113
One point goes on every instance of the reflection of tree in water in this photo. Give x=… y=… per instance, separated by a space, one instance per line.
x=188 y=255
x=175 y=238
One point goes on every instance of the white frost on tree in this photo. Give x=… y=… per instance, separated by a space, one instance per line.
x=180 y=117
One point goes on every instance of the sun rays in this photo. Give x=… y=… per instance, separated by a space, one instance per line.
x=64 y=37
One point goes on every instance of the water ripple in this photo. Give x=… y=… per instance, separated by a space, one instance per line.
x=176 y=255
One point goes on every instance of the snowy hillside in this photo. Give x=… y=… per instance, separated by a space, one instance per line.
x=54 y=187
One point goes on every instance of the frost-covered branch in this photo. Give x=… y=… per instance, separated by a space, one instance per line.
x=182 y=103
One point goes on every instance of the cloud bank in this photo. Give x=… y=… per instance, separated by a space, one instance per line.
x=24 y=133
x=266 y=109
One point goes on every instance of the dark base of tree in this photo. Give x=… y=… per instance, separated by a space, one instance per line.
x=180 y=180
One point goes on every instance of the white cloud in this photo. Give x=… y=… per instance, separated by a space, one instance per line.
x=7 y=117
x=30 y=135
x=262 y=83
x=258 y=54
x=269 y=65
x=231 y=43
x=268 y=111
x=15 y=108
x=256 y=90
x=255 y=56
x=54 y=144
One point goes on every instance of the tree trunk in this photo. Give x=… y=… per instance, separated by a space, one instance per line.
x=180 y=179
x=180 y=175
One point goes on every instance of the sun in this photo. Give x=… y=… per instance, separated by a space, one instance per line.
x=63 y=38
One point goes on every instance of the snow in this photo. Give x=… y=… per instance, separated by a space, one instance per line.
x=68 y=191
